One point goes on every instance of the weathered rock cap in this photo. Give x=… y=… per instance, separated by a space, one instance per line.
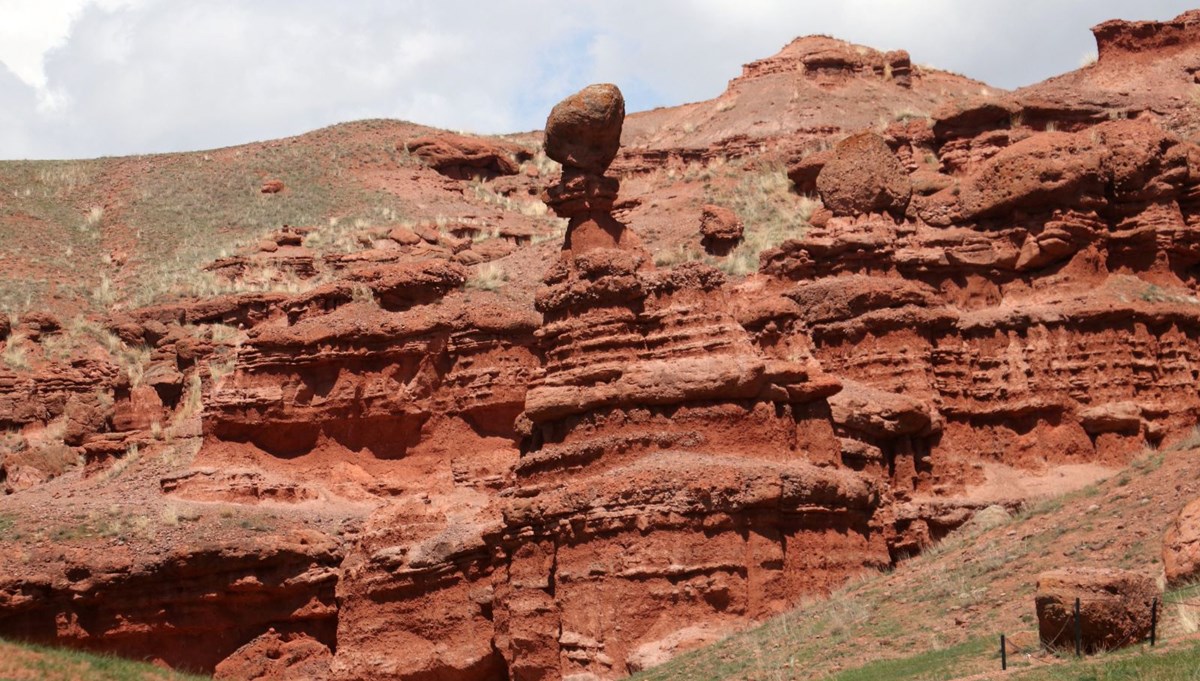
x=584 y=130
x=1114 y=609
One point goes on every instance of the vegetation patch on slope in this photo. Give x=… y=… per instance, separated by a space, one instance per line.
x=19 y=662
x=940 y=615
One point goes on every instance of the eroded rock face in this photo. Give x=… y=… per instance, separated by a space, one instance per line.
x=190 y=609
x=1114 y=608
x=639 y=495
x=663 y=455
x=1117 y=36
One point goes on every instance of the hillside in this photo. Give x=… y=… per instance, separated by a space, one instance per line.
x=940 y=615
x=384 y=401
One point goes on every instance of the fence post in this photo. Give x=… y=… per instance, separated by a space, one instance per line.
x=1079 y=632
x=1153 y=621
x=1003 y=654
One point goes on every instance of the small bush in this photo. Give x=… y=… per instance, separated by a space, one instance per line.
x=771 y=212
x=15 y=354
x=132 y=454
x=488 y=277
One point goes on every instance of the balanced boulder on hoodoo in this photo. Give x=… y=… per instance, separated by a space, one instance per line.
x=583 y=133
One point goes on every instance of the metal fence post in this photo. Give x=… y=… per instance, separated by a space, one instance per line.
x=1153 y=621
x=1079 y=632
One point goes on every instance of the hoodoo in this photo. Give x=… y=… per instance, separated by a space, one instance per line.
x=671 y=484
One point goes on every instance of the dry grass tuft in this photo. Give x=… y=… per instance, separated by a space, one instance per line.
x=15 y=355
x=771 y=213
x=488 y=277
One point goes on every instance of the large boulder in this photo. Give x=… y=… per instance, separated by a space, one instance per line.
x=1181 y=546
x=583 y=131
x=1114 y=607
x=864 y=176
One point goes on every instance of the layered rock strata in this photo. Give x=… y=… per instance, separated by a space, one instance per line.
x=672 y=471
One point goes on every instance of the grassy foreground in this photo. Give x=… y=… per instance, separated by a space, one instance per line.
x=22 y=662
x=939 y=616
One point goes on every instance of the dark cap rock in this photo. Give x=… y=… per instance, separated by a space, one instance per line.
x=584 y=130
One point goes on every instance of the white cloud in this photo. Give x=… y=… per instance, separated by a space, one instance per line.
x=91 y=77
x=29 y=30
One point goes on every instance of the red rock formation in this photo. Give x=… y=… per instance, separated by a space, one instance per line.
x=667 y=454
x=189 y=609
x=1145 y=69
x=720 y=229
x=644 y=493
x=465 y=158
x=1117 y=37
x=917 y=309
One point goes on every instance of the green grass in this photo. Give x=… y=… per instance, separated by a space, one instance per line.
x=1138 y=664
x=174 y=213
x=762 y=197
x=934 y=664
x=939 y=615
x=26 y=661
x=187 y=215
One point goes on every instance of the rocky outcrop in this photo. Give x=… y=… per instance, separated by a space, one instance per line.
x=1181 y=547
x=1117 y=36
x=1114 y=609
x=367 y=378
x=720 y=229
x=277 y=657
x=189 y=609
x=994 y=302
x=633 y=456
x=466 y=158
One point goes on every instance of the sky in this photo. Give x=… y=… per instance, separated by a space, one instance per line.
x=87 y=78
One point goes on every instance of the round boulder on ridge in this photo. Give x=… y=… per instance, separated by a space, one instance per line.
x=864 y=176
